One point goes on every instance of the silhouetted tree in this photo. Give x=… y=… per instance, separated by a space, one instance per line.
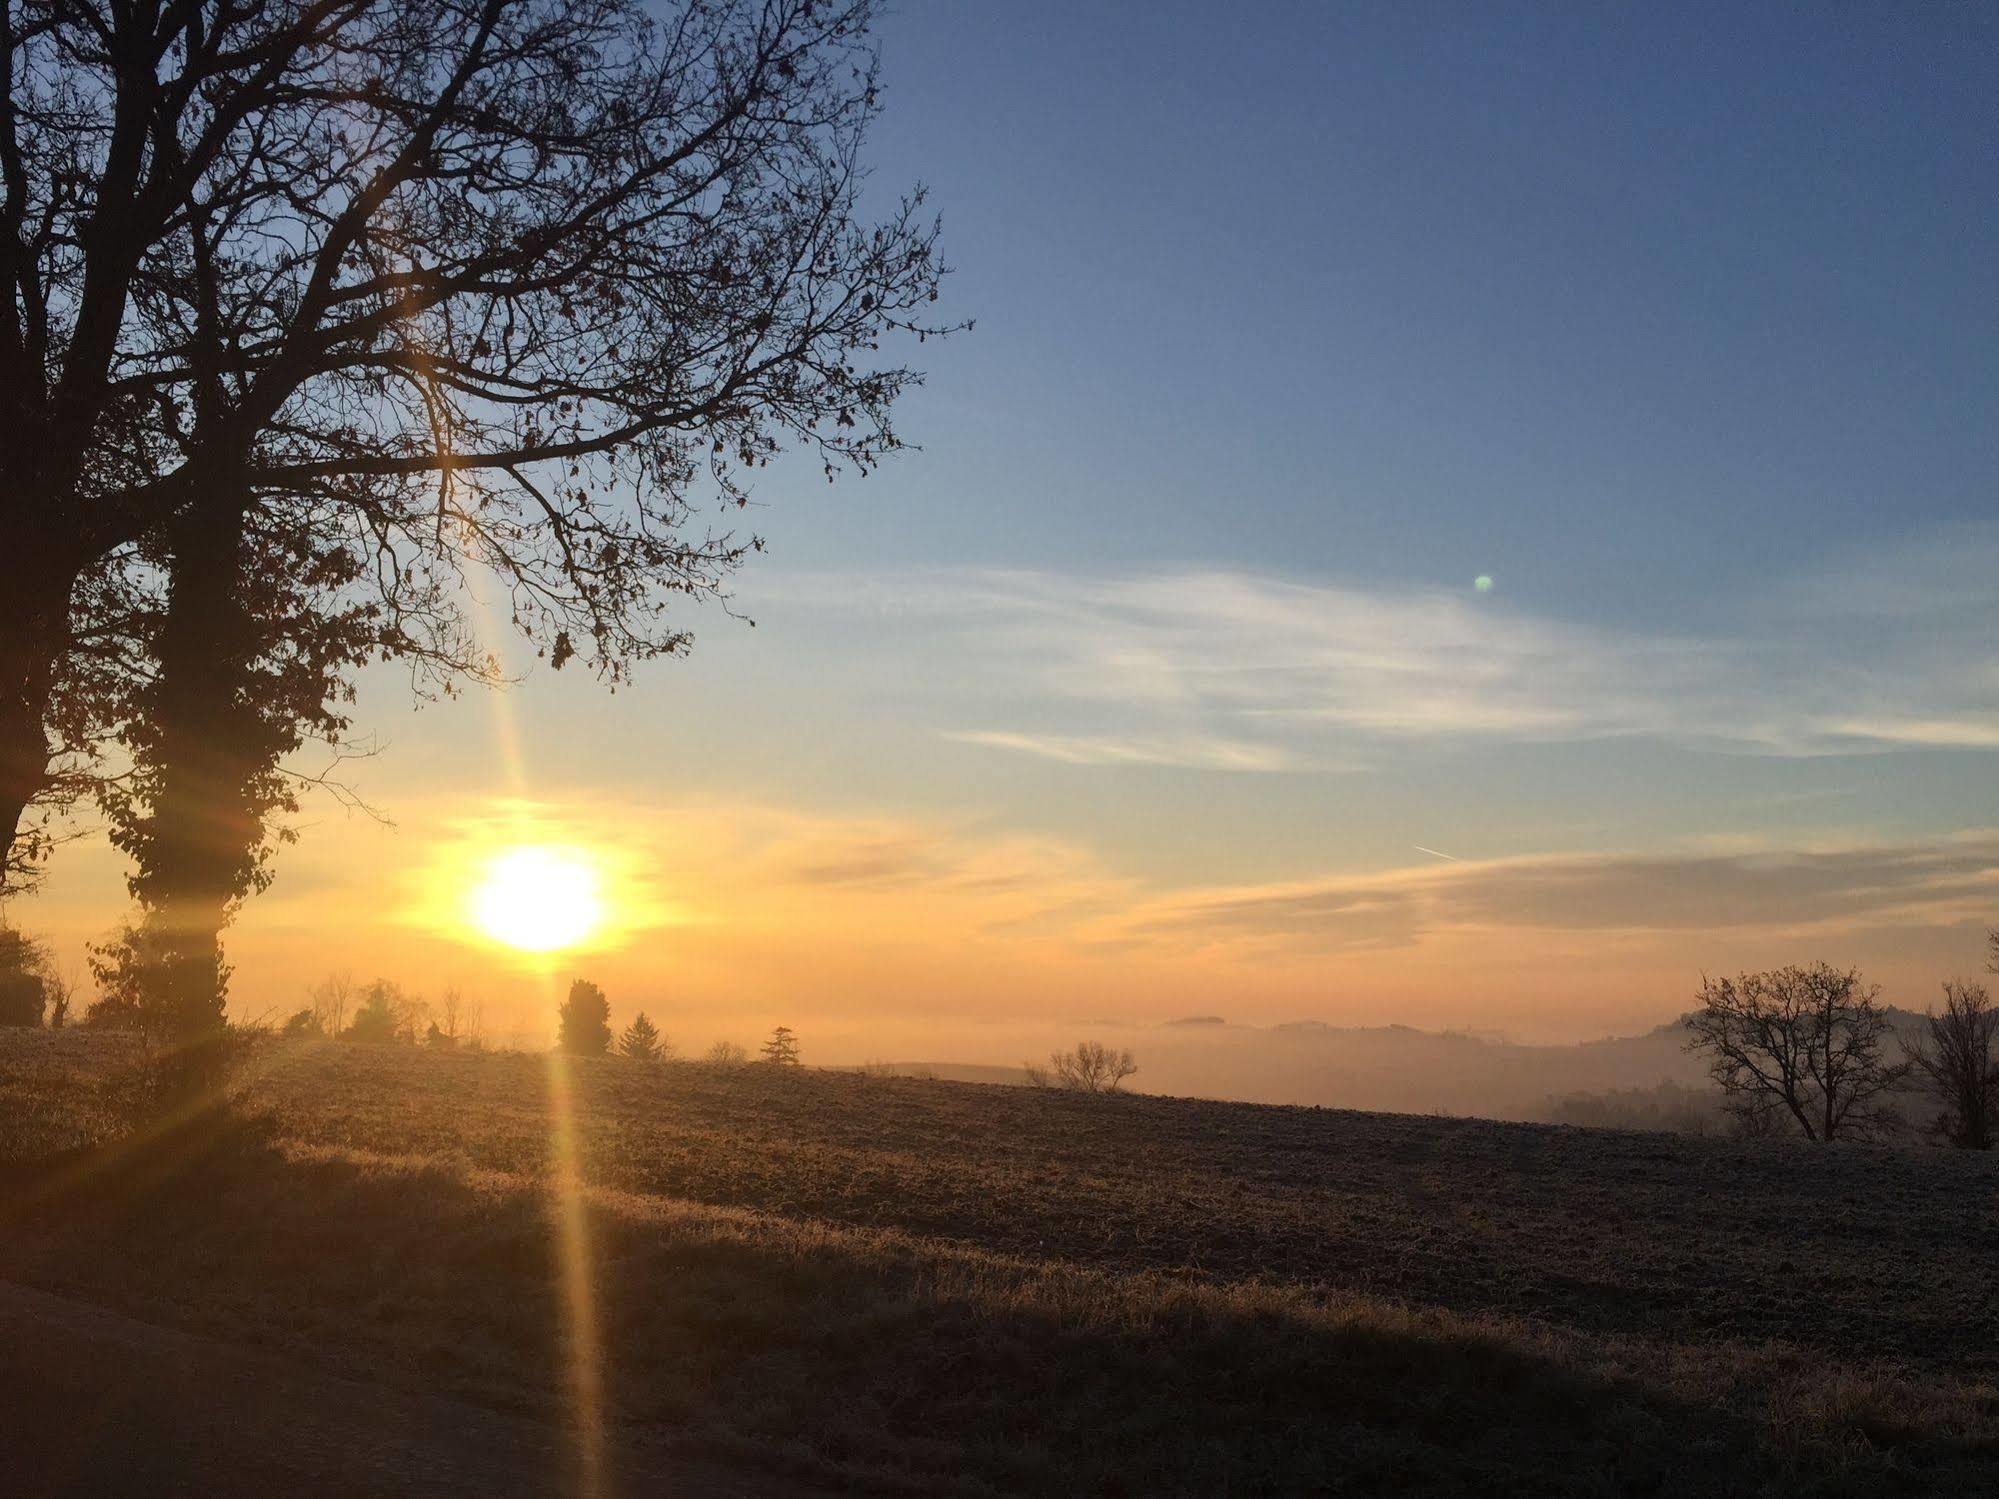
x=22 y=991
x=61 y=991
x=250 y=650
x=781 y=1050
x=1954 y=1055
x=585 y=1021
x=1091 y=1068
x=385 y=1015
x=555 y=264
x=301 y=1024
x=727 y=1054
x=1808 y=1041
x=642 y=1041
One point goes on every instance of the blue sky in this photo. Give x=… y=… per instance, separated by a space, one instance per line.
x=1623 y=305
x=1677 y=322
x=1157 y=681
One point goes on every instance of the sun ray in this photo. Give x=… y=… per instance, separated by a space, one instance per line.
x=579 y=1300
x=514 y=882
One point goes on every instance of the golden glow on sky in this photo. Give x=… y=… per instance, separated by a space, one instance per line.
x=538 y=898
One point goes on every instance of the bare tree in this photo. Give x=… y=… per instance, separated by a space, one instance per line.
x=1807 y=1041
x=726 y=1054
x=1091 y=1068
x=330 y=998
x=450 y=1009
x=62 y=987
x=492 y=286
x=1955 y=1057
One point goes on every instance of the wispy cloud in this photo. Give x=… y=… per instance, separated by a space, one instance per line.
x=1920 y=883
x=1235 y=670
x=1196 y=753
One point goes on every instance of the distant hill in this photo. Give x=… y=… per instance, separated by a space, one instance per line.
x=1389 y=1068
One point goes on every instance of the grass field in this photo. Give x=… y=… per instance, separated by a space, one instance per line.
x=942 y=1287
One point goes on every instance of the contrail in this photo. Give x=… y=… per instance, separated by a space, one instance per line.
x=1436 y=853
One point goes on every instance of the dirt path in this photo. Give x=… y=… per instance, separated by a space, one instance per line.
x=96 y=1403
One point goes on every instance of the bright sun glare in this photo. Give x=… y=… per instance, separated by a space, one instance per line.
x=537 y=898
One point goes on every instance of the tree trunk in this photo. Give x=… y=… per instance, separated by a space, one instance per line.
x=34 y=630
x=197 y=843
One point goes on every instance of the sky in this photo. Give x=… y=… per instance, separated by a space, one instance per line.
x=1162 y=679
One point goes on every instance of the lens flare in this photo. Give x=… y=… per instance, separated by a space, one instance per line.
x=537 y=898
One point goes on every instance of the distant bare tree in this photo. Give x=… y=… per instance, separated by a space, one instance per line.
x=473 y=1033
x=1091 y=1068
x=450 y=1009
x=61 y=989
x=1808 y=1041
x=727 y=1054
x=330 y=998
x=1953 y=1055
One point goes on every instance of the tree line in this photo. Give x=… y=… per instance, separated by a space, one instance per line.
x=319 y=313
x=583 y=1029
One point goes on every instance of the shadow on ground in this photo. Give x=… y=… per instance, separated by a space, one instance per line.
x=845 y=1357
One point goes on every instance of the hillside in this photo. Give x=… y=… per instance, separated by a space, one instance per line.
x=1387 y=1068
x=934 y=1286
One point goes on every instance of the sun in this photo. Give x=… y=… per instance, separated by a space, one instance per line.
x=537 y=897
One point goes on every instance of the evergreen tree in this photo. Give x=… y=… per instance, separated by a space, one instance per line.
x=642 y=1041
x=781 y=1050
x=586 y=1021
